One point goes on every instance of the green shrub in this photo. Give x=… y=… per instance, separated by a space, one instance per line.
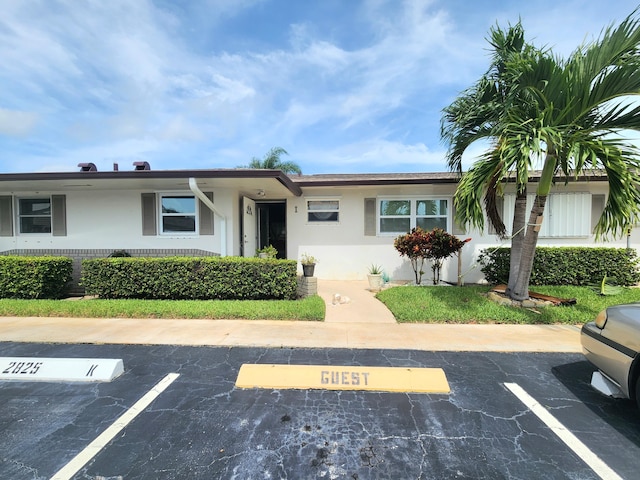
x=567 y=266
x=190 y=278
x=34 y=277
x=419 y=245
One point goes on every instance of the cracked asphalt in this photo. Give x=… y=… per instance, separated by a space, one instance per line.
x=203 y=427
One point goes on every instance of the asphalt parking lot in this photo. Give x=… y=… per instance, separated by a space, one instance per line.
x=202 y=426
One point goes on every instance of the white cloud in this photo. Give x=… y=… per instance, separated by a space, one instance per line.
x=379 y=155
x=103 y=155
x=15 y=123
x=347 y=81
x=180 y=129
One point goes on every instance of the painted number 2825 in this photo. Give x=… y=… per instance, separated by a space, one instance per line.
x=22 y=368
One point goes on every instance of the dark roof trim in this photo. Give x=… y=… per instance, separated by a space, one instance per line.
x=330 y=180
x=294 y=184
x=371 y=182
x=337 y=180
x=157 y=174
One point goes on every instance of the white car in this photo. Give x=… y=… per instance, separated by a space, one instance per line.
x=611 y=343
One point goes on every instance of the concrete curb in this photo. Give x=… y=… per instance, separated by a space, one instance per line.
x=269 y=333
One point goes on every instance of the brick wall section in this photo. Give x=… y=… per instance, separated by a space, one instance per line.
x=77 y=255
x=307 y=286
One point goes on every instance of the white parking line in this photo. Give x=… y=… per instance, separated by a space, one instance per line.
x=590 y=458
x=91 y=450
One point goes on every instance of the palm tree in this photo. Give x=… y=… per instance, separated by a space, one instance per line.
x=272 y=161
x=474 y=116
x=568 y=113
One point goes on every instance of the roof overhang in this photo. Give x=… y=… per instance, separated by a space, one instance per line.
x=270 y=183
x=254 y=183
x=372 y=179
x=429 y=178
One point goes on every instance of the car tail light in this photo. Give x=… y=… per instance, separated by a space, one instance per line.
x=601 y=319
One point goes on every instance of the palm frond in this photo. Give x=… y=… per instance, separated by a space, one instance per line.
x=492 y=193
x=617 y=115
x=289 y=167
x=535 y=105
x=622 y=166
x=473 y=187
x=271 y=161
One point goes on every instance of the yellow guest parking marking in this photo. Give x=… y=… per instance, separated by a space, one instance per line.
x=386 y=379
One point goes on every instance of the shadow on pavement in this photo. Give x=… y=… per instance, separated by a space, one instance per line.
x=621 y=414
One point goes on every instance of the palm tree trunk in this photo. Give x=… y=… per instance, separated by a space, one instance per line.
x=520 y=290
x=517 y=232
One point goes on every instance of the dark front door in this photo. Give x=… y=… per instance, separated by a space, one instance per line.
x=272 y=226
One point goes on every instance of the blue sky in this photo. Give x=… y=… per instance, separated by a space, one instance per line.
x=345 y=86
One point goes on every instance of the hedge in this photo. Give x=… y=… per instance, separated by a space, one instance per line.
x=567 y=266
x=34 y=277
x=190 y=278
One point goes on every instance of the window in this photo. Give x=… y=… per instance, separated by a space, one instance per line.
x=431 y=214
x=566 y=215
x=178 y=214
x=323 y=211
x=401 y=215
x=34 y=215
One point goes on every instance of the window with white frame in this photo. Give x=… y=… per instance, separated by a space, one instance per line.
x=34 y=215
x=178 y=214
x=323 y=211
x=402 y=214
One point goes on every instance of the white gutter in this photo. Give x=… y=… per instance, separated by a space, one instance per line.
x=193 y=185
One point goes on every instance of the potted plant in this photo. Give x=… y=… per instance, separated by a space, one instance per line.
x=375 y=277
x=267 y=252
x=308 y=264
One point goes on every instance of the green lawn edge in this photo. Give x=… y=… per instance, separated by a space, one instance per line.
x=308 y=309
x=409 y=304
x=469 y=305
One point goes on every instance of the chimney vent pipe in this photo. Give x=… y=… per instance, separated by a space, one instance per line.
x=88 y=167
x=142 y=165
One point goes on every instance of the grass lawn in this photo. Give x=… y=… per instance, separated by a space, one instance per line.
x=409 y=304
x=469 y=304
x=310 y=308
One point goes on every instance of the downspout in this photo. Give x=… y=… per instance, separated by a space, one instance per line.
x=193 y=186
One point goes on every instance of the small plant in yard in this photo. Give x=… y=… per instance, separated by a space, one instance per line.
x=267 y=252
x=415 y=246
x=419 y=245
x=375 y=269
x=376 y=280
x=609 y=289
x=306 y=259
x=442 y=246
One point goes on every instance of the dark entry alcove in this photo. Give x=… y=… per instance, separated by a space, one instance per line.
x=272 y=226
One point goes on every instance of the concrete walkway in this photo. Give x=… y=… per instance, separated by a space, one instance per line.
x=352 y=302
x=362 y=322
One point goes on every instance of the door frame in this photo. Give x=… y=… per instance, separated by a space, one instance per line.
x=275 y=224
x=249 y=223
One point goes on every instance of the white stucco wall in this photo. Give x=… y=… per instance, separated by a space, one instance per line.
x=342 y=249
x=112 y=220
x=101 y=219
x=344 y=252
